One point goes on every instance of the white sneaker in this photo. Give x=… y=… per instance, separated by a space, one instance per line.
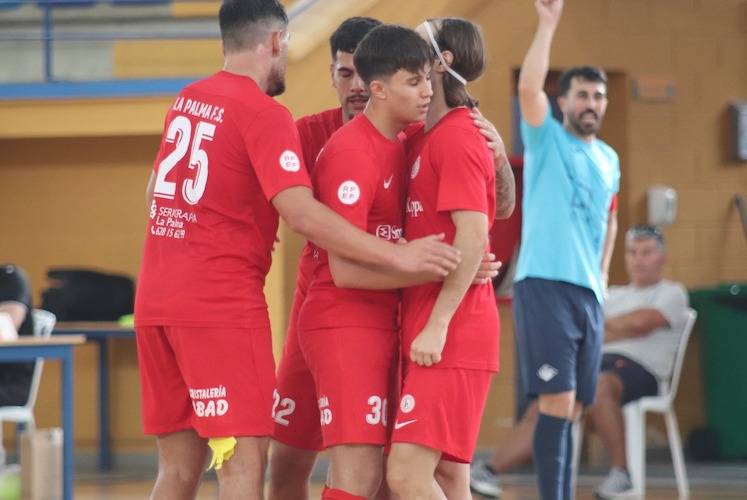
x=616 y=485
x=484 y=481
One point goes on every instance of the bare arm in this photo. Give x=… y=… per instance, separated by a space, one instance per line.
x=471 y=238
x=635 y=324
x=351 y=274
x=317 y=223
x=16 y=310
x=505 y=184
x=505 y=188
x=532 y=97
x=609 y=246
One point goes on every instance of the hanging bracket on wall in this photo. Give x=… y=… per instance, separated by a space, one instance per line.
x=741 y=205
x=654 y=89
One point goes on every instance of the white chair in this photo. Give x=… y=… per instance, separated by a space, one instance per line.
x=635 y=424
x=44 y=322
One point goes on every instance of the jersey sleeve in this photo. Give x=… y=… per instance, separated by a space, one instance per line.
x=348 y=191
x=162 y=147
x=308 y=143
x=616 y=185
x=533 y=136
x=463 y=174
x=411 y=131
x=613 y=204
x=272 y=143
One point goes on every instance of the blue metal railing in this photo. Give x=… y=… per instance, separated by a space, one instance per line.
x=48 y=35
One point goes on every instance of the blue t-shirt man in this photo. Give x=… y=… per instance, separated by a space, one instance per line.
x=569 y=183
x=570 y=178
x=568 y=188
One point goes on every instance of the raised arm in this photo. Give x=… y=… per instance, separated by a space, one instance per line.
x=532 y=97
x=317 y=223
x=471 y=238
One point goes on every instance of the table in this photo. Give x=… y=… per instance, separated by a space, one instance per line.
x=60 y=347
x=99 y=332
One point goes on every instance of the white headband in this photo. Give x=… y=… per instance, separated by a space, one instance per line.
x=453 y=73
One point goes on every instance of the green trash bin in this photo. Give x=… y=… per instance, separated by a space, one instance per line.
x=722 y=314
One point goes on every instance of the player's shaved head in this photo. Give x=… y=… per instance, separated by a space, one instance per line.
x=246 y=23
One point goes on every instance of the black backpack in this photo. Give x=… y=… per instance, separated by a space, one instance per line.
x=86 y=295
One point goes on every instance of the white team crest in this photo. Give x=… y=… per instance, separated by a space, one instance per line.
x=348 y=193
x=289 y=161
x=407 y=404
x=415 y=169
x=547 y=372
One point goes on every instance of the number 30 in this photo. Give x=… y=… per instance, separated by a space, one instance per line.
x=180 y=131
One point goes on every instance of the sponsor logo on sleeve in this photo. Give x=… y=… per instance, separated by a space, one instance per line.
x=348 y=193
x=289 y=161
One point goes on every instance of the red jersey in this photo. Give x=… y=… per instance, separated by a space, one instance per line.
x=506 y=233
x=451 y=169
x=359 y=175
x=227 y=150
x=315 y=131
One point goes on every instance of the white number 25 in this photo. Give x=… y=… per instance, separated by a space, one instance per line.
x=180 y=131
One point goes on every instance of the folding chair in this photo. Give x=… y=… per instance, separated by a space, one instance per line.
x=44 y=322
x=635 y=424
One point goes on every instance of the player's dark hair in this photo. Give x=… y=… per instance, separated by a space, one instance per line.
x=388 y=49
x=587 y=73
x=464 y=40
x=350 y=33
x=243 y=23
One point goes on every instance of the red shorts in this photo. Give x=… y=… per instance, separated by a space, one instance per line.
x=295 y=410
x=441 y=408
x=217 y=381
x=353 y=370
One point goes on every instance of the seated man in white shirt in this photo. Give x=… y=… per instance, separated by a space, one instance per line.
x=15 y=319
x=643 y=324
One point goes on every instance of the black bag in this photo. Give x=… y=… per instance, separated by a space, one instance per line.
x=85 y=295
